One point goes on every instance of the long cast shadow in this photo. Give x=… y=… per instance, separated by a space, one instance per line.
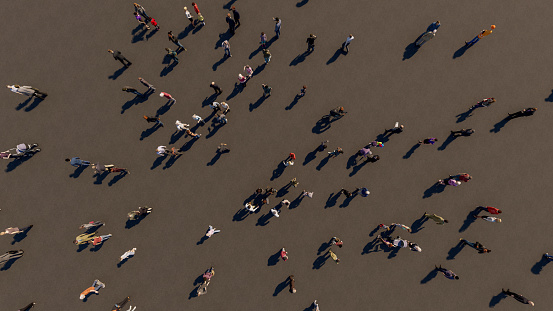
x=163 y=109
x=301 y=3
x=321 y=126
x=538 y=266
x=16 y=163
x=220 y=62
x=185 y=32
x=499 y=125
x=264 y=219
x=293 y=103
x=334 y=57
x=214 y=159
x=299 y=59
x=320 y=261
x=277 y=172
x=460 y=51
x=332 y=200
x=550 y=98
x=448 y=141
x=20 y=236
x=411 y=151
x=463 y=116
x=176 y=136
x=229 y=5
x=117 y=178
x=310 y=156
x=165 y=71
x=23 y=104
x=157 y=162
x=434 y=189
x=323 y=248
x=117 y=73
x=257 y=103
x=151 y=34
x=240 y=215
x=34 y=104
x=100 y=178
x=497 y=299
x=357 y=168
x=280 y=287
x=150 y=131
x=431 y=275
x=410 y=50
x=138 y=33
x=454 y=251
x=417 y=224
x=469 y=220
x=323 y=162
x=238 y=88
x=273 y=260
x=78 y=171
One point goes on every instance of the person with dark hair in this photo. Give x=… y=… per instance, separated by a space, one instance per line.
x=173 y=55
x=157 y=120
x=140 y=10
x=517 y=297
x=278 y=24
x=175 y=40
x=323 y=146
x=447 y=273
x=129 y=89
x=147 y=84
x=216 y=88
x=263 y=40
x=477 y=246
x=119 y=306
x=236 y=16
x=483 y=103
x=303 y=90
x=266 y=90
x=28 y=307
x=231 y=24
x=463 y=132
x=266 y=55
x=9 y=255
x=92 y=225
x=428 y=141
x=395 y=130
x=336 y=152
x=143 y=211
x=292 y=283
x=118 y=56
x=522 y=113
x=310 y=43
x=490 y=209
x=336 y=241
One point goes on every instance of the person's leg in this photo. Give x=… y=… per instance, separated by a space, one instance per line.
x=473 y=41
x=347 y=47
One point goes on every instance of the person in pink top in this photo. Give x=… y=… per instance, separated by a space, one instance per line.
x=284 y=254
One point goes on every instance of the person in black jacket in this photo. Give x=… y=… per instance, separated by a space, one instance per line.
x=236 y=16
x=311 y=43
x=518 y=297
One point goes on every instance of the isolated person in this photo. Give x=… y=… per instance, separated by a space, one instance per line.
x=28 y=307
x=481 y=35
x=92 y=289
x=15 y=230
x=27 y=91
x=168 y=96
x=266 y=55
x=147 y=84
x=189 y=16
x=142 y=212
x=438 y=219
x=310 y=43
x=292 y=283
x=518 y=297
x=283 y=254
x=522 y=113
x=336 y=241
x=463 y=132
x=216 y=88
x=447 y=273
x=226 y=48
x=263 y=40
x=92 y=225
x=427 y=36
x=211 y=231
x=398 y=128
x=130 y=89
x=306 y=193
x=9 y=255
x=223 y=148
x=303 y=90
x=428 y=141
x=290 y=159
x=77 y=162
x=483 y=103
x=477 y=246
x=128 y=254
x=345 y=45
x=157 y=120
x=173 y=55
x=266 y=90
x=278 y=24
x=119 y=306
x=294 y=182
x=118 y=56
x=231 y=24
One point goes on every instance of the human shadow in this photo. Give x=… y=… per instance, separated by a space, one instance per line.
x=100 y=177
x=188 y=144
x=431 y=275
x=469 y=220
x=117 y=178
x=240 y=215
x=117 y=73
x=202 y=240
x=213 y=130
x=214 y=159
x=410 y=50
x=497 y=299
x=455 y=250
x=185 y=32
x=150 y=131
x=310 y=156
x=23 y=104
x=238 y=88
x=9 y=264
x=157 y=162
x=259 y=49
x=163 y=109
x=463 y=116
x=323 y=248
x=78 y=171
x=448 y=141
x=131 y=223
x=277 y=172
x=357 y=168
x=334 y=57
x=538 y=266
x=301 y=3
x=257 y=103
x=550 y=98
x=165 y=71
x=220 y=62
x=229 y=5
x=135 y=101
x=258 y=69
x=82 y=247
x=332 y=200
x=222 y=37
x=393 y=252
x=434 y=189
x=293 y=103
x=321 y=126
x=296 y=202
x=417 y=224
x=138 y=33
x=34 y=104
x=176 y=136
x=283 y=191
x=16 y=163
x=411 y=151
x=208 y=100
x=273 y=260
x=371 y=247
x=320 y=261
x=347 y=201
x=323 y=162
x=460 y=51
x=122 y=262
x=299 y=59
x=151 y=33
x=264 y=219
x=20 y=236
x=280 y=287
x=499 y=125
x=96 y=247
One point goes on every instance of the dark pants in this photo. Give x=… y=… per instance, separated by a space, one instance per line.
x=310 y=47
x=122 y=59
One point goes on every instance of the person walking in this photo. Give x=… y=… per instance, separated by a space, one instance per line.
x=438 y=219
x=231 y=24
x=223 y=148
x=294 y=182
x=140 y=10
x=283 y=254
x=150 y=87
x=92 y=225
x=157 y=120
x=118 y=56
x=154 y=23
x=173 y=55
x=333 y=256
x=196 y=9
x=428 y=141
x=395 y=130
x=517 y=297
x=292 y=283
x=404 y=227
x=427 y=36
x=16 y=230
x=198 y=119
x=290 y=159
x=308 y=194
x=175 y=40
x=266 y=55
x=489 y=218
x=249 y=71
x=92 y=289
x=266 y=90
x=119 y=306
x=263 y=40
x=275 y=212
x=345 y=45
x=100 y=239
x=477 y=246
x=181 y=126
x=463 y=132
x=199 y=20
x=336 y=241
x=128 y=254
x=129 y=89
x=310 y=43
x=484 y=103
x=28 y=307
x=336 y=152
x=141 y=21
x=211 y=231
x=278 y=24
x=226 y=47
x=236 y=16
x=548 y=257
x=522 y=113
x=189 y=16
x=303 y=90
x=168 y=96
x=481 y=35
x=447 y=273
x=77 y=162
x=490 y=209
x=27 y=91
x=251 y=207
x=216 y=88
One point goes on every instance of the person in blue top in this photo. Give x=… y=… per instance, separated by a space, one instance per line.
x=277 y=26
x=76 y=161
x=447 y=273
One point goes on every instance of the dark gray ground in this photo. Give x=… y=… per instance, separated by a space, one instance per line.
x=60 y=47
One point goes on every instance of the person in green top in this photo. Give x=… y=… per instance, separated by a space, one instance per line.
x=266 y=90
x=438 y=219
x=172 y=54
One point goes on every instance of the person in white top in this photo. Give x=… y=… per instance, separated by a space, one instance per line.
x=250 y=207
x=214 y=106
x=128 y=254
x=198 y=119
x=211 y=231
x=161 y=150
x=181 y=126
x=489 y=218
x=27 y=90
x=224 y=107
x=275 y=212
x=189 y=16
x=347 y=42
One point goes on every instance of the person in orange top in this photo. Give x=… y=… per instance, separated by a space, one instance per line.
x=92 y=289
x=481 y=35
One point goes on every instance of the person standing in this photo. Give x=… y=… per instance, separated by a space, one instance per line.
x=231 y=24
x=263 y=40
x=236 y=16
x=224 y=107
x=129 y=89
x=249 y=71
x=278 y=24
x=189 y=16
x=267 y=55
x=173 y=55
x=428 y=141
x=303 y=90
x=157 y=120
x=522 y=113
x=216 y=88
x=447 y=273
x=118 y=56
x=481 y=35
x=292 y=284
x=517 y=297
x=128 y=254
x=147 y=84
x=490 y=209
x=438 y=219
x=226 y=47
x=347 y=43
x=336 y=241
x=175 y=40
x=92 y=289
x=28 y=307
x=27 y=91
x=168 y=96
x=333 y=256
x=266 y=90
x=310 y=43
x=477 y=246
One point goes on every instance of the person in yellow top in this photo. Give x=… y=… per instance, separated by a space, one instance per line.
x=481 y=35
x=333 y=256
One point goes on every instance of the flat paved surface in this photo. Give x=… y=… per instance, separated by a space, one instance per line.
x=60 y=47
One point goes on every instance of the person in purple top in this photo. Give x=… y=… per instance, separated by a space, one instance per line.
x=447 y=273
x=428 y=141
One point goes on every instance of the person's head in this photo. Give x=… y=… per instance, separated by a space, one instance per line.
x=262 y=33
x=485 y=250
x=341 y=109
x=135 y=14
x=437 y=22
x=276 y=19
x=193 y=3
x=110 y=51
x=401 y=126
x=338 y=260
x=456 y=277
x=446 y=221
x=493 y=27
x=305 y=87
x=499 y=211
x=170 y=33
x=498 y=220
x=350 y=35
x=185 y=8
x=311 y=35
x=67 y=160
x=228 y=14
x=212 y=83
x=75 y=242
x=233 y=8
x=83 y=296
x=531 y=303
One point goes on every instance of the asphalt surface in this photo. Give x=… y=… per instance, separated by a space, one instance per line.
x=60 y=48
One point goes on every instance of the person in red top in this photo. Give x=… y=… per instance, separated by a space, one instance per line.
x=196 y=7
x=489 y=209
x=465 y=177
x=290 y=159
x=99 y=239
